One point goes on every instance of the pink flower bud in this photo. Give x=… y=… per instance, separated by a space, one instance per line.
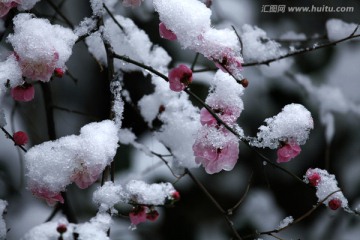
x=152 y=216
x=23 y=93
x=288 y=152
x=176 y=196
x=180 y=77
x=61 y=228
x=20 y=138
x=59 y=72
x=334 y=203
x=166 y=33
x=314 y=178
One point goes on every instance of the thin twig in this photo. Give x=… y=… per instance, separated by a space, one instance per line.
x=194 y=62
x=304 y=50
x=290 y=54
x=113 y=17
x=56 y=9
x=213 y=200
x=308 y=213
x=8 y=135
x=230 y=211
x=75 y=111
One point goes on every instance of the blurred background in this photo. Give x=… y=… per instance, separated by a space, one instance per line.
x=83 y=96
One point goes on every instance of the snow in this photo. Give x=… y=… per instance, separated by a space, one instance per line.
x=180 y=118
x=224 y=85
x=294 y=122
x=285 y=222
x=96 y=228
x=38 y=44
x=47 y=231
x=190 y=21
x=27 y=5
x=51 y=165
x=337 y=29
x=291 y=35
x=277 y=69
x=3 y=229
x=97 y=7
x=330 y=100
x=133 y=192
x=107 y=196
x=131 y=42
x=10 y=72
x=117 y=103
x=149 y=194
x=257 y=47
x=85 y=26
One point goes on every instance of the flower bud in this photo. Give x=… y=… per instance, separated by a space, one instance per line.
x=334 y=203
x=61 y=228
x=20 y=138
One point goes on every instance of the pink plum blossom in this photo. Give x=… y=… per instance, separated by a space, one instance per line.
x=223 y=156
x=6 y=5
x=228 y=62
x=313 y=177
x=20 y=138
x=180 y=77
x=288 y=151
x=86 y=176
x=166 y=33
x=50 y=197
x=39 y=69
x=23 y=93
x=137 y=215
x=226 y=115
x=131 y=3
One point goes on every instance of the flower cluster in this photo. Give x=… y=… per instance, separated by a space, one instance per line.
x=285 y=132
x=142 y=213
x=326 y=185
x=40 y=50
x=215 y=147
x=188 y=21
x=53 y=165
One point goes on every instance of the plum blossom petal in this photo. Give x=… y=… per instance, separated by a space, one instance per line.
x=137 y=215
x=6 y=5
x=131 y=3
x=41 y=69
x=288 y=151
x=23 y=93
x=50 y=197
x=166 y=33
x=180 y=77
x=86 y=176
x=206 y=118
x=218 y=150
